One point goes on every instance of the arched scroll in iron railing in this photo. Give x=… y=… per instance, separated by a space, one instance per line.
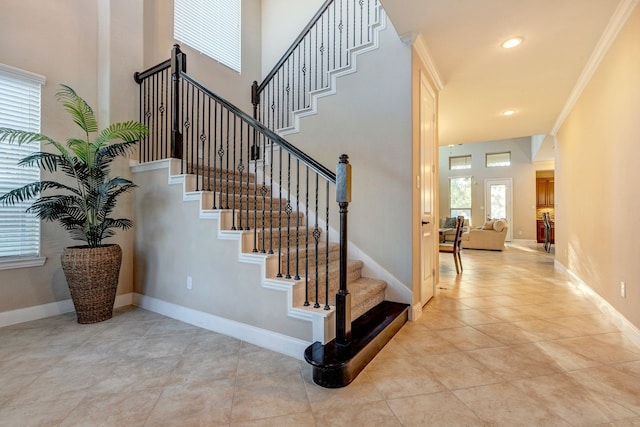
x=284 y=201
x=323 y=45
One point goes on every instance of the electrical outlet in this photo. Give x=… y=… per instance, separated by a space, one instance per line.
x=189 y=283
x=623 y=289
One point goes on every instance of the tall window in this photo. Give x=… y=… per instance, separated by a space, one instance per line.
x=19 y=109
x=460 y=196
x=211 y=27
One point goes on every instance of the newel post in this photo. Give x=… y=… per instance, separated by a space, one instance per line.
x=178 y=65
x=343 y=298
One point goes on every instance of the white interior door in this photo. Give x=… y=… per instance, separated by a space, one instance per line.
x=426 y=185
x=498 y=202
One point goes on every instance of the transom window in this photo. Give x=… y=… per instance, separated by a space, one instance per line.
x=211 y=27
x=460 y=162
x=498 y=159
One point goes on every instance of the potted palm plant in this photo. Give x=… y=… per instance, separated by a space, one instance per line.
x=82 y=201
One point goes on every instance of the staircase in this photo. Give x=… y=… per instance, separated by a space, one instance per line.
x=326 y=49
x=275 y=200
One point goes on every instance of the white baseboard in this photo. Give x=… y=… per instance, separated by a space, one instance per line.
x=36 y=312
x=270 y=340
x=614 y=316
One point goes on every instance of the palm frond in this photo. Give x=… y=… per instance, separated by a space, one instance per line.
x=22 y=136
x=81 y=113
x=46 y=161
x=125 y=131
x=81 y=149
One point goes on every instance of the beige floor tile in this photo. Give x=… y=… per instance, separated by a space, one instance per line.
x=439 y=320
x=269 y=395
x=372 y=414
x=467 y=338
x=193 y=405
x=213 y=344
x=422 y=342
x=572 y=401
x=459 y=370
x=437 y=409
x=256 y=360
x=201 y=368
x=160 y=346
x=506 y=405
x=603 y=348
x=631 y=422
x=136 y=374
x=304 y=419
x=64 y=381
x=506 y=333
x=513 y=362
x=38 y=414
x=566 y=362
x=611 y=383
x=113 y=410
x=325 y=400
x=474 y=317
x=402 y=377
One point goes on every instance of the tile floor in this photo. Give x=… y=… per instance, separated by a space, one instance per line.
x=506 y=343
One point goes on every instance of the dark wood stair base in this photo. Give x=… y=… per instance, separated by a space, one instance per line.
x=335 y=366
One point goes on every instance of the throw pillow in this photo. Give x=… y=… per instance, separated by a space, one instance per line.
x=499 y=225
x=451 y=222
x=488 y=224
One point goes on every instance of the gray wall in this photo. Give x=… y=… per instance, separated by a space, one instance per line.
x=172 y=242
x=369 y=118
x=62 y=41
x=522 y=172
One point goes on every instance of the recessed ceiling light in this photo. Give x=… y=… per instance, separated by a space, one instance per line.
x=512 y=42
x=509 y=113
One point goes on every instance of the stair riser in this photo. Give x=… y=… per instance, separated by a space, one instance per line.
x=353 y=273
x=268 y=221
x=222 y=174
x=284 y=241
x=322 y=256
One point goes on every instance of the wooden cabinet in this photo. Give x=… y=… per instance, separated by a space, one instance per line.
x=540 y=231
x=544 y=192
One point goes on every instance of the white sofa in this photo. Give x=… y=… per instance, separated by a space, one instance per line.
x=450 y=234
x=490 y=236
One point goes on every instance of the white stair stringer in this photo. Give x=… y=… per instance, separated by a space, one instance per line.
x=322 y=321
x=334 y=74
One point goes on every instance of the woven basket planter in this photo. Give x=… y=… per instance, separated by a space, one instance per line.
x=92 y=275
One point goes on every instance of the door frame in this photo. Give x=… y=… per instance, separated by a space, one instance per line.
x=487 y=201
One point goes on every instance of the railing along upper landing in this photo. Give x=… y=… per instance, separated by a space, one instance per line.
x=284 y=203
x=323 y=46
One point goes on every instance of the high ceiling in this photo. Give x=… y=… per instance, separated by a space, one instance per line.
x=481 y=79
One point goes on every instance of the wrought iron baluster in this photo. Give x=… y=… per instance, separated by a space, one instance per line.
x=326 y=261
x=208 y=154
x=196 y=117
x=297 y=276
x=215 y=154
x=233 y=171
x=288 y=210
x=226 y=171
x=316 y=237
x=306 y=240
x=279 y=214
x=248 y=173
x=271 y=204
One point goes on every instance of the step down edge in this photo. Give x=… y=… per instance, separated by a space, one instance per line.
x=335 y=367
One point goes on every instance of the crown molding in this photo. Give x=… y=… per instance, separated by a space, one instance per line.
x=420 y=45
x=617 y=21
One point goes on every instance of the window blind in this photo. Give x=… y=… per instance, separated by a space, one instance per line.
x=212 y=27
x=19 y=109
